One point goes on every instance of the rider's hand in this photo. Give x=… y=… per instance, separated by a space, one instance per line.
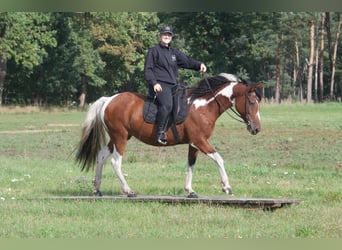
x=203 y=68
x=157 y=88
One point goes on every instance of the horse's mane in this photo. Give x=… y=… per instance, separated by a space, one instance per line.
x=202 y=87
x=215 y=82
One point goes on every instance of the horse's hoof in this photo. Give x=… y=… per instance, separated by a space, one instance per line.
x=97 y=193
x=131 y=194
x=193 y=195
x=228 y=191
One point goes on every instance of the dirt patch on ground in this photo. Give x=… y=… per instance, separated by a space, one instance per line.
x=63 y=125
x=32 y=130
x=27 y=131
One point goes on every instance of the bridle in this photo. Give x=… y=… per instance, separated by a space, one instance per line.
x=239 y=118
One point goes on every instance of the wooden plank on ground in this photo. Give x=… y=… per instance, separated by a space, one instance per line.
x=260 y=203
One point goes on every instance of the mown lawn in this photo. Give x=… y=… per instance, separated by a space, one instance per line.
x=296 y=155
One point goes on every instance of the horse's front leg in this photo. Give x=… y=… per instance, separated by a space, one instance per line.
x=102 y=157
x=116 y=163
x=192 y=156
x=224 y=177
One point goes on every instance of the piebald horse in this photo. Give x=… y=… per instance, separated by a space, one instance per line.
x=121 y=117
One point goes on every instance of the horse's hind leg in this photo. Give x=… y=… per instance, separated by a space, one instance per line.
x=192 y=156
x=102 y=157
x=116 y=162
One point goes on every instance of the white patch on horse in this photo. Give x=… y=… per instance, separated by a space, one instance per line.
x=93 y=111
x=202 y=102
x=230 y=77
x=188 y=180
x=104 y=108
x=228 y=91
x=102 y=157
x=220 y=163
x=117 y=164
x=258 y=113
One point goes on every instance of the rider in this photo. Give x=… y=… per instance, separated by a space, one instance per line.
x=161 y=71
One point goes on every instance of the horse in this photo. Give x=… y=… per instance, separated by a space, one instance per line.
x=121 y=117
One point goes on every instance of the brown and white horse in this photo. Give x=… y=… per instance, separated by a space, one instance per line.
x=121 y=117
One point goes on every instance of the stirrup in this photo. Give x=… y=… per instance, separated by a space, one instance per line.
x=162 y=139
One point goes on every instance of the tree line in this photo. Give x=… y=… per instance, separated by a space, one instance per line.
x=65 y=58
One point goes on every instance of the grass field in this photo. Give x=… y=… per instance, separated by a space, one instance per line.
x=296 y=155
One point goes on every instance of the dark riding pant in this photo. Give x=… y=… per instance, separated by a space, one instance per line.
x=165 y=105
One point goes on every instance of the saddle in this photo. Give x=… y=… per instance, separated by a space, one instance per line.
x=179 y=111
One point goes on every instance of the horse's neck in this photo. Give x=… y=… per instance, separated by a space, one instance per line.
x=222 y=103
x=214 y=106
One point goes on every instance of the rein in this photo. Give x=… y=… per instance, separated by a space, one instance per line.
x=239 y=119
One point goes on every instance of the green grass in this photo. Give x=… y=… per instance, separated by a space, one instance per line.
x=296 y=155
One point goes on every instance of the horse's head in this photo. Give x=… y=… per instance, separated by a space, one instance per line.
x=245 y=94
x=247 y=104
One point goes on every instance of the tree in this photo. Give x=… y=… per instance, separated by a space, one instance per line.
x=3 y=71
x=24 y=38
x=56 y=58
x=87 y=61
x=296 y=69
x=278 y=68
x=333 y=56
x=310 y=62
x=122 y=40
x=321 y=59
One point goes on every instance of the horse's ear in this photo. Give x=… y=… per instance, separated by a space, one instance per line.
x=259 y=85
x=255 y=86
x=257 y=89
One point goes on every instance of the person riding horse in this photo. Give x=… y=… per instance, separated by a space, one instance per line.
x=161 y=72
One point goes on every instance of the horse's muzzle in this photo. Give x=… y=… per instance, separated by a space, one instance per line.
x=253 y=129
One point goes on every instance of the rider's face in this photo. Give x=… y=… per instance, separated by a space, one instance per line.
x=165 y=38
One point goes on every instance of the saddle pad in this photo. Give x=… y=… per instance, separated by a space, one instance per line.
x=179 y=111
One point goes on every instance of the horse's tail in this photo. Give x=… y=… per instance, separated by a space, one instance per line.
x=93 y=136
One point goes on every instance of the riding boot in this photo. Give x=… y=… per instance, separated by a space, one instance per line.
x=162 y=125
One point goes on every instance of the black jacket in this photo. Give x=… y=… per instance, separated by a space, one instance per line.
x=162 y=63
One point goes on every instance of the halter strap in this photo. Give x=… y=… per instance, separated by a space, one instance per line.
x=220 y=105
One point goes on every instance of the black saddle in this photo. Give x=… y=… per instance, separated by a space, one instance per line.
x=179 y=111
